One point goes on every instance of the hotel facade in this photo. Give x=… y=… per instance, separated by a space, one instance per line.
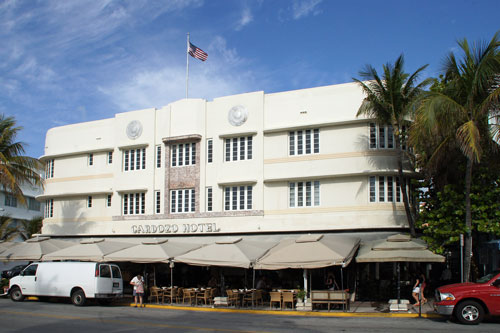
x=248 y=164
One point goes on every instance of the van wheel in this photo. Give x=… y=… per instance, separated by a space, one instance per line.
x=78 y=298
x=469 y=313
x=16 y=294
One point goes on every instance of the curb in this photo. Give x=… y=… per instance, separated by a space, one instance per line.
x=293 y=313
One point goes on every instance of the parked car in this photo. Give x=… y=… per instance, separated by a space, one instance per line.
x=9 y=273
x=470 y=302
x=76 y=280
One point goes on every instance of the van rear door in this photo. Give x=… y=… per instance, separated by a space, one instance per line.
x=104 y=282
x=117 y=280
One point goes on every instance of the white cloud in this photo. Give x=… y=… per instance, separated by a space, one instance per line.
x=245 y=19
x=303 y=8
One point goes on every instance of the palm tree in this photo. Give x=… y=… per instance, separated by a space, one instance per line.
x=388 y=101
x=460 y=111
x=26 y=228
x=15 y=168
x=7 y=230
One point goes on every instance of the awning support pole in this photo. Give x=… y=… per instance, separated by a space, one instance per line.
x=342 y=284
x=398 y=270
x=304 y=274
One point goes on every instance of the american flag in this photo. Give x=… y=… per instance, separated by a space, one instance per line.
x=197 y=53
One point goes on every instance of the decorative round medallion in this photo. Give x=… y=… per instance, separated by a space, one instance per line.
x=134 y=129
x=237 y=115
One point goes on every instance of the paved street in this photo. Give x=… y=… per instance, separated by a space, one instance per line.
x=62 y=317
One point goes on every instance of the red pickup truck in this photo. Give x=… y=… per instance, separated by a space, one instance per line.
x=469 y=302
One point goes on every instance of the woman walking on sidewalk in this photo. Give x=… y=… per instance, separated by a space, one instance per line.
x=138 y=283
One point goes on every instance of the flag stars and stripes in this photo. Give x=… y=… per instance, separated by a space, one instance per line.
x=197 y=53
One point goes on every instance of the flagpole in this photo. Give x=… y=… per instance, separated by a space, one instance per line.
x=187 y=65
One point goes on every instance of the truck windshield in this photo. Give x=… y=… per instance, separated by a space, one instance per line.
x=487 y=277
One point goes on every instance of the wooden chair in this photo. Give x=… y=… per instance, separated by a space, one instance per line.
x=275 y=297
x=288 y=298
x=258 y=297
x=249 y=298
x=155 y=292
x=188 y=295
x=232 y=297
x=177 y=294
x=204 y=296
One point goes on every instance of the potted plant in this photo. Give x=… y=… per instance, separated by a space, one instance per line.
x=301 y=294
x=4 y=285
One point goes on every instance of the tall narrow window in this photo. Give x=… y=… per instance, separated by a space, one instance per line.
x=110 y=157
x=291 y=137
x=373 y=190
x=308 y=141
x=108 y=200
x=49 y=208
x=373 y=136
x=316 y=141
x=390 y=189
x=300 y=147
x=381 y=137
x=49 y=169
x=89 y=201
x=242 y=148
x=209 y=199
x=292 y=194
x=158 y=156
x=228 y=150
x=158 y=202
x=249 y=148
x=381 y=189
x=91 y=159
x=210 y=149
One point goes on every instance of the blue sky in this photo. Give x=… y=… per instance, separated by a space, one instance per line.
x=69 y=61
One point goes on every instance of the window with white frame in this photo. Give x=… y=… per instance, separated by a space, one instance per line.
x=110 y=157
x=49 y=169
x=209 y=199
x=238 y=149
x=134 y=203
x=303 y=142
x=108 y=200
x=49 y=208
x=158 y=156
x=183 y=154
x=33 y=204
x=238 y=197
x=385 y=189
x=89 y=201
x=134 y=159
x=91 y=159
x=381 y=136
x=157 y=202
x=10 y=200
x=182 y=201
x=210 y=149
x=304 y=194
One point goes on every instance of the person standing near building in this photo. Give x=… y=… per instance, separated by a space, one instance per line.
x=138 y=283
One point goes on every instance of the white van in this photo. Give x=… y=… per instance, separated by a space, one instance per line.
x=78 y=280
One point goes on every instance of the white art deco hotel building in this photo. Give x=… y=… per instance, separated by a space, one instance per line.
x=290 y=162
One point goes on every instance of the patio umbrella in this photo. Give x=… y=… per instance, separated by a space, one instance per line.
x=154 y=251
x=310 y=251
x=397 y=248
x=231 y=252
x=88 y=250
x=33 y=249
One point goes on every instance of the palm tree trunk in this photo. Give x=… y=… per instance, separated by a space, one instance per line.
x=404 y=187
x=468 y=221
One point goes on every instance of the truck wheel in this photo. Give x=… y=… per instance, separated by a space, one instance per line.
x=469 y=313
x=78 y=298
x=16 y=294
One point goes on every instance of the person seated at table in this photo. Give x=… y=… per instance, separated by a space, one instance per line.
x=212 y=283
x=262 y=283
x=330 y=282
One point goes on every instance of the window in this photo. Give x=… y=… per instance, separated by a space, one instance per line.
x=381 y=136
x=30 y=270
x=33 y=204
x=110 y=157
x=134 y=203
x=304 y=194
x=158 y=202
x=10 y=200
x=182 y=201
x=303 y=142
x=89 y=201
x=49 y=169
x=239 y=149
x=91 y=159
x=209 y=151
x=238 y=197
x=384 y=189
x=116 y=272
x=209 y=199
x=105 y=272
x=134 y=159
x=183 y=154
x=49 y=208
x=158 y=156
x=108 y=200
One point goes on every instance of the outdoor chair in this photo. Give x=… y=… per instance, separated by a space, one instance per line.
x=249 y=298
x=189 y=295
x=232 y=297
x=204 y=296
x=288 y=298
x=155 y=293
x=275 y=297
x=177 y=294
x=258 y=297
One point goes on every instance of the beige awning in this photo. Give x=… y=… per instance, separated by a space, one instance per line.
x=88 y=250
x=33 y=249
x=397 y=248
x=231 y=252
x=310 y=251
x=153 y=251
